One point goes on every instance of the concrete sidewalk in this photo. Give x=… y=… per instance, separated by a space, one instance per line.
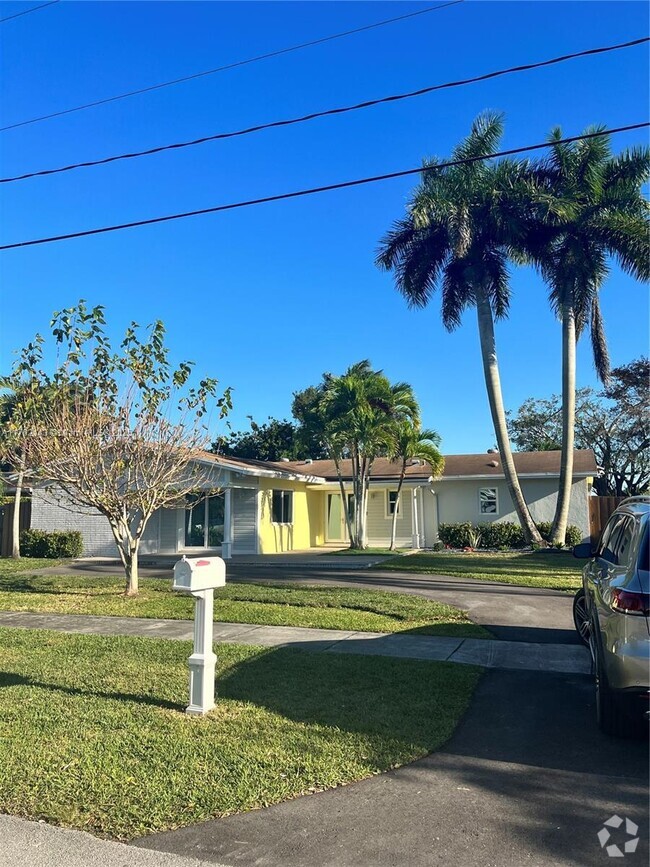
x=517 y=655
x=35 y=844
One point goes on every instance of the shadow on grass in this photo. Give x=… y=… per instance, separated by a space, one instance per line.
x=8 y=679
x=410 y=701
x=24 y=585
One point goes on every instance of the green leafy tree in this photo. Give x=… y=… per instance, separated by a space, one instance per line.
x=410 y=442
x=21 y=406
x=598 y=212
x=615 y=423
x=353 y=416
x=271 y=441
x=462 y=225
x=122 y=431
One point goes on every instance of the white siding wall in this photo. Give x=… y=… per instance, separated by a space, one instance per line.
x=379 y=525
x=150 y=544
x=244 y=521
x=55 y=511
x=168 y=530
x=458 y=500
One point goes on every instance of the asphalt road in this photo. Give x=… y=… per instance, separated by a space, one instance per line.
x=527 y=779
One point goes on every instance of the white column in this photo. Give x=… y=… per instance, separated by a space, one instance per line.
x=203 y=660
x=415 y=538
x=226 y=545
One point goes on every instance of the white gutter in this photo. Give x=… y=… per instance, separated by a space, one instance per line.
x=256 y=471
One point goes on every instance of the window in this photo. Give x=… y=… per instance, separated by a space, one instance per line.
x=606 y=550
x=624 y=543
x=488 y=501
x=282 y=507
x=391 y=503
x=204 y=521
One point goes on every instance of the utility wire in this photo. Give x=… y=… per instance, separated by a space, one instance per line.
x=313 y=190
x=234 y=65
x=328 y=113
x=27 y=11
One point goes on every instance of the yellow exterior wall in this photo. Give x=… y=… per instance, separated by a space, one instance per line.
x=308 y=527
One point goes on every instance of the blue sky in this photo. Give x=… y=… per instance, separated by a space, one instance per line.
x=267 y=298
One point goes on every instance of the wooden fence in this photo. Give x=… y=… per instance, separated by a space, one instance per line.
x=6 y=521
x=600 y=510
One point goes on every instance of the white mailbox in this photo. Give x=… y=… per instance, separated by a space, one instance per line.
x=199 y=576
x=199 y=573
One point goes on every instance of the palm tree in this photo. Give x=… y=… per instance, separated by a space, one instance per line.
x=462 y=225
x=360 y=408
x=600 y=212
x=410 y=443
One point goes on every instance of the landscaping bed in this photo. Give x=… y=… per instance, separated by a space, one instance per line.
x=554 y=570
x=295 y=605
x=93 y=734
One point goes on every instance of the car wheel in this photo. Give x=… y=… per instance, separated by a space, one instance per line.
x=581 y=616
x=612 y=717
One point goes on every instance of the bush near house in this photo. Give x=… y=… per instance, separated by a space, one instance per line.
x=500 y=534
x=54 y=544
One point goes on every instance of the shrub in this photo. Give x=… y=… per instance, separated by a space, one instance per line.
x=455 y=535
x=502 y=534
x=52 y=544
x=573 y=534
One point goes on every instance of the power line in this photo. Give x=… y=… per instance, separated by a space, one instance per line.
x=328 y=113
x=27 y=11
x=234 y=65
x=313 y=190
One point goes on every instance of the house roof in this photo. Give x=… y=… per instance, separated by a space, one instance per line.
x=484 y=465
x=456 y=466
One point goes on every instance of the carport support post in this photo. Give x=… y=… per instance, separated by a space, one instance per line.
x=203 y=660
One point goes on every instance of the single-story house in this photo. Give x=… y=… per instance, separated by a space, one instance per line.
x=268 y=507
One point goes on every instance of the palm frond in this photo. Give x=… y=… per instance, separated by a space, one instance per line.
x=599 y=342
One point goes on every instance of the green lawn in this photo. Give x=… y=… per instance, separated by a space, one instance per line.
x=92 y=733
x=9 y=566
x=319 y=607
x=557 y=570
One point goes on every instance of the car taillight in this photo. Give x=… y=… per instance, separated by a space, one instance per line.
x=630 y=603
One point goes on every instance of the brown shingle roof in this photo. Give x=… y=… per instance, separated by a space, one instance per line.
x=526 y=463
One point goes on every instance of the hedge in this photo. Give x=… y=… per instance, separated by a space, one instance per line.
x=51 y=544
x=500 y=534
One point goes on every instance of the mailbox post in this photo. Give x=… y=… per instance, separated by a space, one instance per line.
x=199 y=577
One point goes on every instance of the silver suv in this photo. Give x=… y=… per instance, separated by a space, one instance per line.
x=611 y=613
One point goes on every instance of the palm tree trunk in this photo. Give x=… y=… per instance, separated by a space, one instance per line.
x=15 y=524
x=495 y=398
x=558 y=533
x=344 y=504
x=393 y=528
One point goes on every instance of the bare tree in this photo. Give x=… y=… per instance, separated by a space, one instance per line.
x=122 y=432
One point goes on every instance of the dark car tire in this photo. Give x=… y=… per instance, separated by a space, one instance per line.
x=611 y=714
x=581 y=616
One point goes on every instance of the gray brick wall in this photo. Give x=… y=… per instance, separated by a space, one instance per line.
x=54 y=511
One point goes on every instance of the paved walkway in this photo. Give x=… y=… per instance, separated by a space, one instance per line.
x=35 y=844
x=570 y=659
